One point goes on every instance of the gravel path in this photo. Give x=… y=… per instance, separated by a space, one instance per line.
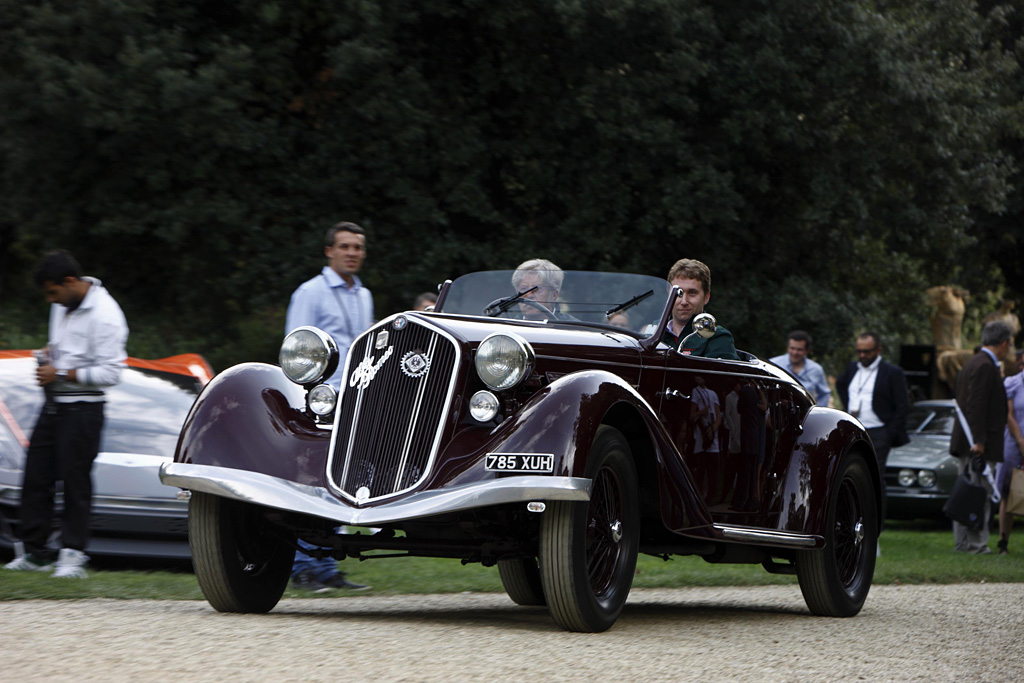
x=967 y=632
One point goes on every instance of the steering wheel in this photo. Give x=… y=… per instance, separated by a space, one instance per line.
x=544 y=310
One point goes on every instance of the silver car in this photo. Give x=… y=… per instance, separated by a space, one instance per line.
x=133 y=513
x=920 y=475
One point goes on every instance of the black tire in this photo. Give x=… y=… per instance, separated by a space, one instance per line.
x=588 y=549
x=521 y=579
x=836 y=579
x=241 y=565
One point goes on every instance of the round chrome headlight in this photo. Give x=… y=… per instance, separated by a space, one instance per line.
x=322 y=399
x=906 y=478
x=503 y=360
x=926 y=478
x=483 y=406
x=308 y=355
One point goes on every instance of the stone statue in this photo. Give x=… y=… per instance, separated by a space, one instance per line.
x=949 y=304
x=1005 y=314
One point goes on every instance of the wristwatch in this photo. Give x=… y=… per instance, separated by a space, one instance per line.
x=62 y=375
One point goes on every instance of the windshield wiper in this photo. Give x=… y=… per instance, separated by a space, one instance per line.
x=629 y=304
x=499 y=306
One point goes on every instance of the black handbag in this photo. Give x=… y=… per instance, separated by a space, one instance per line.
x=966 y=503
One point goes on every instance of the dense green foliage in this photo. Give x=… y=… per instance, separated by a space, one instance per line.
x=830 y=160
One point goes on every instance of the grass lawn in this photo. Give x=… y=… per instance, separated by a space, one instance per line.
x=909 y=555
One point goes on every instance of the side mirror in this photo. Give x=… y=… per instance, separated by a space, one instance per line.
x=705 y=325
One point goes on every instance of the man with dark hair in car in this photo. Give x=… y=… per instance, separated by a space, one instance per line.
x=694 y=279
x=85 y=354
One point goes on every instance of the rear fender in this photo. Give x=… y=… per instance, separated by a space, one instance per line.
x=827 y=436
x=251 y=417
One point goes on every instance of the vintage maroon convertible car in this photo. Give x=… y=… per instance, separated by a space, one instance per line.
x=536 y=437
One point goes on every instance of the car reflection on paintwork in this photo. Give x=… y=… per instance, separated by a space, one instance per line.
x=920 y=475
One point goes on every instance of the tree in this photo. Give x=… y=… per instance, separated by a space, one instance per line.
x=827 y=159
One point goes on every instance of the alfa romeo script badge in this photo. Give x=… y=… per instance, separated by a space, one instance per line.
x=415 y=364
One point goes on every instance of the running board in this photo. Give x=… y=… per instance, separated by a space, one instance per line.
x=746 y=534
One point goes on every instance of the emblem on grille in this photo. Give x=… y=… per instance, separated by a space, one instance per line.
x=415 y=364
x=382 y=340
x=367 y=370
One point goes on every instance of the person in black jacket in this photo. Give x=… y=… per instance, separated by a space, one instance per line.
x=981 y=397
x=875 y=392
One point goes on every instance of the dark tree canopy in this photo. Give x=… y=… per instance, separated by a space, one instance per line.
x=829 y=160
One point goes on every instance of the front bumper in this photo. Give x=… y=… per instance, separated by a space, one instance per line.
x=262 y=489
x=903 y=503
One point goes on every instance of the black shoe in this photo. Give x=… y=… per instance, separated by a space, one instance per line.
x=1003 y=543
x=305 y=581
x=339 y=581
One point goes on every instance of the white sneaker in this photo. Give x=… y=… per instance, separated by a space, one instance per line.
x=70 y=564
x=28 y=563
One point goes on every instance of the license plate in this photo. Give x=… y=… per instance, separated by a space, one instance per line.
x=543 y=463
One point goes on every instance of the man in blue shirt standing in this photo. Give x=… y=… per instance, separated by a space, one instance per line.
x=336 y=302
x=810 y=374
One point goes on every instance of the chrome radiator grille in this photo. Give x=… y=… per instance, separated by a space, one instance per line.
x=394 y=399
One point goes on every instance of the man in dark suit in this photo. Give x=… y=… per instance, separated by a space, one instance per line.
x=982 y=400
x=875 y=392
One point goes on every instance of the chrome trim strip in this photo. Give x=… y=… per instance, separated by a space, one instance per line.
x=10 y=495
x=423 y=321
x=357 y=411
x=588 y=362
x=755 y=535
x=410 y=431
x=261 y=489
x=731 y=373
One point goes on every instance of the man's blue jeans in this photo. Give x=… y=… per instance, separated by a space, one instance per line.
x=322 y=569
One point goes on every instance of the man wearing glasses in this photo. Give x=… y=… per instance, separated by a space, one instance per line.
x=875 y=392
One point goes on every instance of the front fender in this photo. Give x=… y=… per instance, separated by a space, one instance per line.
x=562 y=419
x=251 y=417
x=827 y=436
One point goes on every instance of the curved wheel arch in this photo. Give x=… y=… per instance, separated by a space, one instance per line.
x=836 y=579
x=588 y=551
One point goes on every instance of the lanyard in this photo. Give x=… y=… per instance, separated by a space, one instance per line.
x=349 y=328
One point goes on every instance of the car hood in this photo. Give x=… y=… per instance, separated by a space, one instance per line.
x=922 y=451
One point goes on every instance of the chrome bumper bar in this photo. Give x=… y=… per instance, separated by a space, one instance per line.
x=261 y=489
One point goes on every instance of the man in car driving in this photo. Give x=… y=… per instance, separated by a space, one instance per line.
x=694 y=279
x=539 y=281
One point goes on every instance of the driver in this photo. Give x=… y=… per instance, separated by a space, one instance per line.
x=694 y=278
x=547 y=278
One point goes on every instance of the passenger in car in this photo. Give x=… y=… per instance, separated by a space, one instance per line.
x=694 y=278
x=620 y=319
x=544 y=278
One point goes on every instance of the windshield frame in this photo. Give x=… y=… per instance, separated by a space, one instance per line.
x=584 y=300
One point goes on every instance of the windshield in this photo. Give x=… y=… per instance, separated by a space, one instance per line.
x=143 y=413
x=631 y=302
x=931 y=419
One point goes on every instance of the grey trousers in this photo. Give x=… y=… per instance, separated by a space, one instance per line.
x=973 y=541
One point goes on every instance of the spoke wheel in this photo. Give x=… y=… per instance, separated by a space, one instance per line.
x=241 y=565
x=588 y=550
x=836 y=579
